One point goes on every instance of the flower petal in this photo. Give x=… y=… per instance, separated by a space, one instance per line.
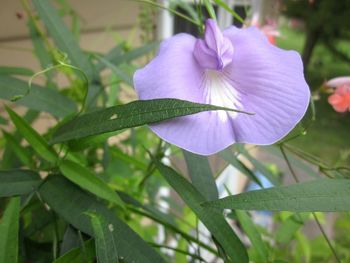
x=338 y=102
x=174 y=73
x=338 y=81
x=271 y=84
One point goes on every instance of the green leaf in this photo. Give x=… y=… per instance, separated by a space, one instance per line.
x=288 y=228
x=135 y=53
x=117 y=71
x=130 y=115
x=89 y=181
x=22 y=153
x=4 y=70
x=3 y=121
x=81 y=144
x=229 y=9
x=18 y=182
x=112 y=55
x=84 y=254
x=210 y=9
x=63 y=38
x=322 y=195
x=39 y=98
x=71 y=203
x=232 y=159
x=33 y=138
x=40 y=50
x=105 y=243
x=258 y=165
x=201 y=176
x=253 y=234
x=9 y=225
x=213 y=220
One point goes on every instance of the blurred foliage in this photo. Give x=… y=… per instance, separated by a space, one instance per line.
x=114 y=197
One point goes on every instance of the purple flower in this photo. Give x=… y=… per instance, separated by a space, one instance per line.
x=236 y=68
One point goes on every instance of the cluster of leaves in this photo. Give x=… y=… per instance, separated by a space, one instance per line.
x=70 y=195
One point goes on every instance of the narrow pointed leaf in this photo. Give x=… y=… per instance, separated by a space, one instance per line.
x=106 y=250
x=135 y=53
x=125 y=77
x=63 y=38
x=253 y=234
x=32 y=137
x=71 y=203
x=210 y=9
x=213 y=220
x=258 y=165
x=129 y=115
x=113 y=54
x=322 y=195
x=287 y=230
x=232 y=159
x=201 y=176
x=40 y=50
x=9 y=225
x=82 y=254
x=229 y=9
x=88 y=181
x=16 y=71
x=22 y=153
x=39 y=98
x=18 y=182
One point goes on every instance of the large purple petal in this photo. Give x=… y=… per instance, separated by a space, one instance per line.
x=174 y=73
x=271 y=84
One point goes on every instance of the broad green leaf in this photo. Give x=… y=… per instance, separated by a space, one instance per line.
x=210 y=9
x=106 y=250
x=9 y=225
x=84 y=254
x=32 y=137
x=15 y=71
x=39 y=98
x=232 y=159
x=18 y=182
x=129 y=115
x=322 y=195
x=213 y=220
x=71 y=203
x=201 y=176
x=253 y=234
x=88 y=181
x=63 y=38
x=22 y=153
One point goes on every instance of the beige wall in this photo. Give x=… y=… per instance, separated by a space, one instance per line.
x=118 y=16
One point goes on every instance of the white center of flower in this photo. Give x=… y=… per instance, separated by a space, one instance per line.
x=219 y=92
